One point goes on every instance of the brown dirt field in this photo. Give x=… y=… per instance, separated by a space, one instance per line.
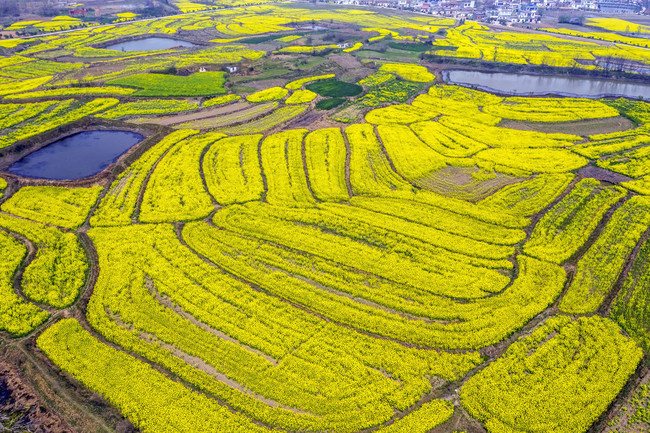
x=266 y=84
x=602 y=174
x=346 y=61
x=50 y=401
x=458 y=182
x=578 y=127
x=18 y=397
x=212 y=112
x=311 y=120
x=248 y=114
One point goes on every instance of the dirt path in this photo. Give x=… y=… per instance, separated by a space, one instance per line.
x=348 y=156
x=53 y=399
x=303 y=155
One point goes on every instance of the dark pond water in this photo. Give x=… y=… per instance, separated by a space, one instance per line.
x=522 y=84
x=76 y=156
x=149 y=44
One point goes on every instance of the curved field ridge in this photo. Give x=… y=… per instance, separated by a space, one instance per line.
x=560 y=378
x=16 y=316
x=601 y=266
x=58 y=271
x=245 y=345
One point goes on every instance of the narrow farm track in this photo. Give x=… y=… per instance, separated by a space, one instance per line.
x=387 y=155
x=27 y=260
x=265 y=183
x=573 y=261
x=348 y=155
x=70 y=398
x=202 y=172
x=607 y=303
x=138 y=203
x=303 y=155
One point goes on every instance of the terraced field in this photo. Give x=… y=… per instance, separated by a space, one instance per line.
x=400 y=263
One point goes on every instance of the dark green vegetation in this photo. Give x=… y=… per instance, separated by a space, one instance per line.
x=419 y=48
x=335 y=88
x=260 y=39
x=328 y=104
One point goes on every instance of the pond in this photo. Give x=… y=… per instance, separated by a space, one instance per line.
x=522 y=84
x=76 y=156
x=149 y=44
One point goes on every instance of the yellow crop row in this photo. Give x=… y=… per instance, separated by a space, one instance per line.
x=63 y=207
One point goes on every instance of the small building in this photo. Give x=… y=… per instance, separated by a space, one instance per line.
x=617 y=6
x=232 y=69
x=78 y=12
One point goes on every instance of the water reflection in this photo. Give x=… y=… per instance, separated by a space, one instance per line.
x=522 y=84
x=76 y=156
x=149 y=44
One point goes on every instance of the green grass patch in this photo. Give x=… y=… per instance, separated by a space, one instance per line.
x=199 y=84
x=238 y=88
x=418 y=48
x=328 y=104
x=390 y=54
x=335 y=88
x=259 y=39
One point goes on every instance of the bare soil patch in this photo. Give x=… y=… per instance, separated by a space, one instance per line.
x=346 y=61
x=217 y=111
x=602 y=174
x=578 y=127
x=459 y=182
x=18 y=399
x=267 y=84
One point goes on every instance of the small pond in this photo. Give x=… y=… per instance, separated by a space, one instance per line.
x=76 y=156
x=149 y=44
x=522 y=84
